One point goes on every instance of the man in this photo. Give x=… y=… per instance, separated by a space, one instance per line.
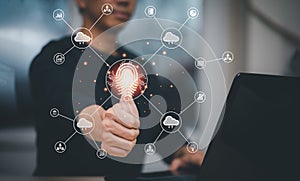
x=117 y=128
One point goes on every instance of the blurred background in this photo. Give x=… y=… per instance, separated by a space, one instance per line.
x=263 y=34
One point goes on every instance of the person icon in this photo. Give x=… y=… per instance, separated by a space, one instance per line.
x=227 y=57
x=60 y=147
x=107 y=9
x=150 y=149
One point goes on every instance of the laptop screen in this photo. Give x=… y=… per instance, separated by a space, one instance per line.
x=258 y=137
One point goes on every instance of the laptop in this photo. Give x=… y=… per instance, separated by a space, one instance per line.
x=259 y=136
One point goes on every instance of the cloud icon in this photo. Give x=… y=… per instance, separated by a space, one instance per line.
x=170 y=122
x=171 y=38
x=84 y=124
x=82 y=38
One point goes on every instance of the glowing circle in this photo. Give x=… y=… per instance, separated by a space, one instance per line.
x=127 y=79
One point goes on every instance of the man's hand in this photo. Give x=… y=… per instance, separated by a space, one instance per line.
x=117 y=128
x=184 y=159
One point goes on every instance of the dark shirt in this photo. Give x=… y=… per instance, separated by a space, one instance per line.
x=52 y=87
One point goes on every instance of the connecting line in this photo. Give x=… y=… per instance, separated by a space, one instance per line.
x=152 y=104
x=184 y=23
x=63 y=116
x=184 y=137
x=153 y=55
x=98 y=55
x=68 y=50
x=187 y=52
x=213 y=60
x=68 y=24
x=187 y=107
x=96 y=22
x=158 y=23
x=94 y=141
x=101 y=105
x=158 y=136
x=70 y=137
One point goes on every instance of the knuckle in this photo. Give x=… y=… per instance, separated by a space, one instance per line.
x=106 y=124
x=136 y=123
x=130 y=135
x=137 y=132
x=131 y=144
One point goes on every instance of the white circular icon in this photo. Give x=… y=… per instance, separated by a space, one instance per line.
x=192 y=147
x=149 y=148
x=58 y=14
x=227 y=57
x=200 y=97
x=107 y=9
x=59 y=58
x=54 y=112
x=60 y=147
x=170 y=122
x=101 y=154
x=193 y=13
x=150 y=11
x=84 y=124
x=200 y=63
x=82 y=38
x=171 y=38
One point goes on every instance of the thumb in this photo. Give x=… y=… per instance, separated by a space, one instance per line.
x=129 y=105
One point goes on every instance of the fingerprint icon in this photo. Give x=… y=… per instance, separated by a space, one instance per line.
x=126 y=80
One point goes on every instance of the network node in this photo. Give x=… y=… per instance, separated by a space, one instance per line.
x=170 y=122
x=59 y=58
x=150 y=11
x=149 y=148
x=126 y=78
x=227 y=57
x=101 y=154
x=192 y=147
x=200 y=63
x=54 y=112
x=200 y=97
x=58 y=14
x=171 y=38
x=60 y=147
x=107 y=9
x=193 y=13
x=81 y=38
x=84 y=124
